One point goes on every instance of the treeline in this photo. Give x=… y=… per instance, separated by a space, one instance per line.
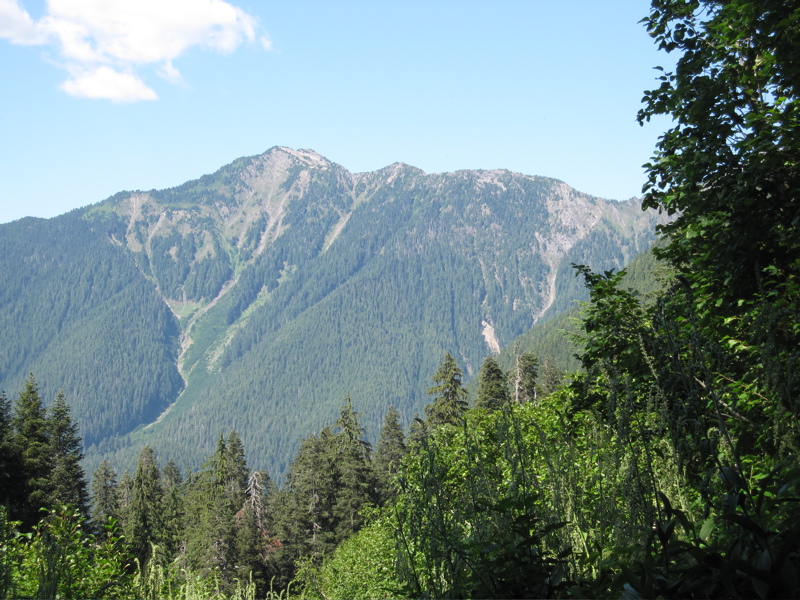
x=221 y=530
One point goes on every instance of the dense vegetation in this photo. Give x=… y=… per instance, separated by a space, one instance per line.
x=75 y=310
x=666 y=467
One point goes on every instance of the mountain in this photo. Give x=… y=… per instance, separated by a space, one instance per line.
x=259 y=296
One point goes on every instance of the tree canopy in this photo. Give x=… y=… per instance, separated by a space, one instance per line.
x=729 y=168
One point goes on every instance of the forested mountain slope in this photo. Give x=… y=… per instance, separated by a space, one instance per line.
x=556 y=341
x=280 y=283
x=76 y=310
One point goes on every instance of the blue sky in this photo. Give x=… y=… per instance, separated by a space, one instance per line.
x=100 y=97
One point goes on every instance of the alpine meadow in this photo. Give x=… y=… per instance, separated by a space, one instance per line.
x=288 y=380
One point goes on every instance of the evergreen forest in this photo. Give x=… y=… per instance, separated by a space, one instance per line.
x=661 y=463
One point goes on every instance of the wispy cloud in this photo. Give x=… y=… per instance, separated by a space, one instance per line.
x=102 y=44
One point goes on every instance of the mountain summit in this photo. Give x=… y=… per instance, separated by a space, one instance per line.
x=257 y=297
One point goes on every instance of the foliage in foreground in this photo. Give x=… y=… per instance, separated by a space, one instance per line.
x=59 y=559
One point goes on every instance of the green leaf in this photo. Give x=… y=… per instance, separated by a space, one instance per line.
x=707 y=528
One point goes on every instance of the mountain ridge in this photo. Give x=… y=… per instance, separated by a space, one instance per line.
x=283 y=268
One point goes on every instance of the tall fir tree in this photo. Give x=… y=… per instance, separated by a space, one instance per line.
x=550 y=379
x=356 y=481
x=33 y=445
x=68 y=480
x=215 y=495
x=450 y=402
x=303 y=511
x=143 y=522
x=417 y=430
x=105 y=496
x=124 y=497
x=172 y=508
x=235 y=475
x=493 y=391
x=389 y=453
x=351 y=432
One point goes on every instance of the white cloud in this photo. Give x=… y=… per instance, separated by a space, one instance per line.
x=106 y=83
x=17 y=26
x=102 y=42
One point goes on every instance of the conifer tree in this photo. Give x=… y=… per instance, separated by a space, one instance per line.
x=216 y=495
x=493 y=390
x=388 y=454
x=416 y=431
x=10 y=460
x=235 y=475
x=253 y=542
x=172 y=507
x=144 y=522
x=105 y=499
x=450 y=401
x=524 y=378
x=124 y=496
x=304 y=511
x=356 y=483
x=33 y=445
x=551 y=379
x=171 y=476
x=351 y=432
x=68 y=481
x=283 y=511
